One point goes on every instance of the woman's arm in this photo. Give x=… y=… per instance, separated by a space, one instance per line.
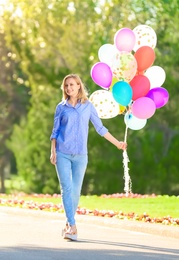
x=53 y=151
x=113 y=140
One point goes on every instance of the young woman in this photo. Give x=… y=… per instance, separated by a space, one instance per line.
x=69 y=145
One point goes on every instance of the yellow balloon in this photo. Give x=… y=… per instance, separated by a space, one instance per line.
x=121 y=109
x=114 y=80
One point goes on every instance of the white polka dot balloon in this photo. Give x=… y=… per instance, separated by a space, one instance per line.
x=105 y=104
x=145 y=36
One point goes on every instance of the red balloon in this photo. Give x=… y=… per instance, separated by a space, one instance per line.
x=140 y=86
x=145 y=57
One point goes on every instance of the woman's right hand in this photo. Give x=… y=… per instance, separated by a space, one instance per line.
x=53 y=158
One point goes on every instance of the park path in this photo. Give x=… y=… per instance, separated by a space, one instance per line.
x=35 y=235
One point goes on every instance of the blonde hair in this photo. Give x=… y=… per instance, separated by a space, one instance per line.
x=82 y=94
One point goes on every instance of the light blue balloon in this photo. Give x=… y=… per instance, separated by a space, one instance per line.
x=122 y=93
x=133 y=122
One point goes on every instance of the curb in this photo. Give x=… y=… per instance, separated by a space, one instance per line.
x=132 y=225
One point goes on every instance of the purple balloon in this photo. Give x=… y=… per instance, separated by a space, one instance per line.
x=159 y=95
x=101 y=74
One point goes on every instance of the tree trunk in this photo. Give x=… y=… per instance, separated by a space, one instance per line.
x=2 y=175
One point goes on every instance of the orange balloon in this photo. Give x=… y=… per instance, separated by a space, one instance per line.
x=145 y=57
x=139 y=73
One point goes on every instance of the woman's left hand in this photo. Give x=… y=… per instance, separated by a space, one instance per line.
x=122 y=145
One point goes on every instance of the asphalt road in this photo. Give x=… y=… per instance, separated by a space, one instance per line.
x=31 y=235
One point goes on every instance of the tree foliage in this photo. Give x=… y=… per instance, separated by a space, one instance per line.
x=46 y=41
x=13 y=103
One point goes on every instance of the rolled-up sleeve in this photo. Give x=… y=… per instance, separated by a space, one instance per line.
x=56 y=125
x=97 y=123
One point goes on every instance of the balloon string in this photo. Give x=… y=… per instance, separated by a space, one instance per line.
x=125 y=136
x=127 y=179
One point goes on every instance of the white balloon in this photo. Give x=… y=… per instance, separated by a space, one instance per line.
x=105 y=104
x=145 y=36
x=156 y=76
x=133 y=122
x=106 y=53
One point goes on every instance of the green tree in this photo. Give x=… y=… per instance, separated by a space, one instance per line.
x=13 y=104
x=46 y=60
x=48 y=44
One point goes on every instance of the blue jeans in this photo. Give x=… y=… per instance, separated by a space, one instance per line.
x=70 y=171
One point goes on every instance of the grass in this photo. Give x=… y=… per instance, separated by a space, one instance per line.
x=156 y=207
x=159 y=206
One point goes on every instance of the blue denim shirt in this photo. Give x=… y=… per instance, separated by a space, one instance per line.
x=71 y=126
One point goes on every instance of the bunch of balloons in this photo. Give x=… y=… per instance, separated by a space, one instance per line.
x=130 y=84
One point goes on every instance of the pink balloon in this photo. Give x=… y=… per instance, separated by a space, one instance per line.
x=143 y=108
x=101 y=74
x=124 y=39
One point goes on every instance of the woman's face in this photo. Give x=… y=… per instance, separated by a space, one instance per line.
x=71 y=87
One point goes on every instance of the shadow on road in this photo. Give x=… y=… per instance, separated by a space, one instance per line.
x=132 y=252
x=143 y=247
